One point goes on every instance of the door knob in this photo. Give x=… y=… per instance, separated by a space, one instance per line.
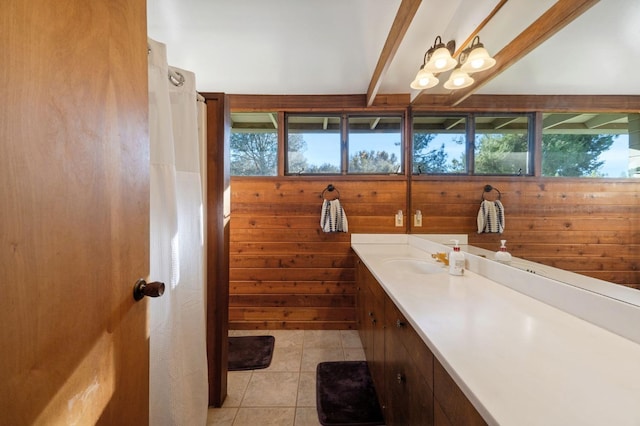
x=143 y=288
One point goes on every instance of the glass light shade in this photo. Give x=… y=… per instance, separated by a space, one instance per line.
x=441 y=61
x=424 y=80
x=458 y=80
x=478 y=60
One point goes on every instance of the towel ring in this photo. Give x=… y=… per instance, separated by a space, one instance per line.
x=330 y=188
x=489 y=188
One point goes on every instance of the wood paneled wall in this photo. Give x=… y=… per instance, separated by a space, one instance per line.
x=286 y=273
x=580 y=225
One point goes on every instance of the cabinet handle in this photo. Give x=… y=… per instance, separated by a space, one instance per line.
x=400 y=324
x=370 y=313
x=373 y=320
x=399 y=378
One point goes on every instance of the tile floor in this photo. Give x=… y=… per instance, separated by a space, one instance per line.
x=284 y=393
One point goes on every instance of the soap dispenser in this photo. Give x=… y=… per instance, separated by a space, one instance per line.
x=456 y=260
x=502 y=255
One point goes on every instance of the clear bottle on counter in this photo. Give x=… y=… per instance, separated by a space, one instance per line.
x=502 y=255
x=456 y=260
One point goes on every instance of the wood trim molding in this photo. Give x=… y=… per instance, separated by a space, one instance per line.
x=530 y=103
x=439 y=103
x=217 y=231
x=401 y=23
x=250 y=103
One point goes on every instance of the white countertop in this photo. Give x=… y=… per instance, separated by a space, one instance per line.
x=518 y=360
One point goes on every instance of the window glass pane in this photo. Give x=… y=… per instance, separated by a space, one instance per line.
x=254 y=144
x=589 y=145
x=313 y=144
x=375 y=144
x=502 y=145
x=439 y=144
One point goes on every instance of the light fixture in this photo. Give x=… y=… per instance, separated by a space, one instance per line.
x=424 y=80
x=439 y=59
x=476 y=58
x=439 y=56
x=458 y=79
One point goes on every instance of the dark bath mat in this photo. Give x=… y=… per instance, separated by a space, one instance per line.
x=345 y=394
x=250 y=352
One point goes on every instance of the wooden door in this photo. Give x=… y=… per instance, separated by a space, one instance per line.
x=74 y=215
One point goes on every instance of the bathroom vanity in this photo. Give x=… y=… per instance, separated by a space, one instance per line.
x=498 y=345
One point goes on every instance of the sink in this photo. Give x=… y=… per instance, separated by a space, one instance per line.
x=414 y=266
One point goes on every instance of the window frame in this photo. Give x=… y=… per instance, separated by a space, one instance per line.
x=531 y=126
x=470 y=142
x=344 y=141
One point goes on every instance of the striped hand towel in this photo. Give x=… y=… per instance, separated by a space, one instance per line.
x=332 y=218
x=491 y=217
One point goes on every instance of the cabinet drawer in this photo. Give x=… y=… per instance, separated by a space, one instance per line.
x=417 y=350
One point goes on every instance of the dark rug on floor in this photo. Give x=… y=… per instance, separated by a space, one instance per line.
x=345 y=394
x=250 y=352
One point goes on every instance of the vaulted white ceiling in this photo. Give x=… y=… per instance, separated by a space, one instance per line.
x=333 y=46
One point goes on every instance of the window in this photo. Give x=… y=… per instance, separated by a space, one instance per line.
x=588 y=145
x=372 y=144
x=502 y=145
x=254 y=144
x=375 y=144
x=439 y=144
x=313 y=144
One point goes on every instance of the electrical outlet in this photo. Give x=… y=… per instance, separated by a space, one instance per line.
x=399 y=219
x=417 y=220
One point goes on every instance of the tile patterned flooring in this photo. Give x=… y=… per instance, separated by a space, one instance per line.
x=284 y=393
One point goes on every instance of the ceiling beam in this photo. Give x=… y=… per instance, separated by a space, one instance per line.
x=555 y=119
x=374 y=123
x=553 y=20
x=401 y=23
x=451 y=123
x=602 y=119
x=502 y=122
x=272 y=117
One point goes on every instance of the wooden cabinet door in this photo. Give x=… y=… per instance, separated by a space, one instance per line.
x=408 y=390
x=371 y=298
x=453 y=406
x=377 y=363
x=396 y=372
x=363 y=310
x=74 y=217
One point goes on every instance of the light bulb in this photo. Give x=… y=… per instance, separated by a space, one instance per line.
x=477 y=63
x=440 y=63
x=424 y=80
x=458 y=80
x=478 y=60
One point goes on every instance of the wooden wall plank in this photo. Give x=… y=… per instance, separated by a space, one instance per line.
x=285 y=271
x=587 y=226
x=293 y=287
x=280 y=258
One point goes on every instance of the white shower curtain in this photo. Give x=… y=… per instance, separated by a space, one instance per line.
x=178 y=362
